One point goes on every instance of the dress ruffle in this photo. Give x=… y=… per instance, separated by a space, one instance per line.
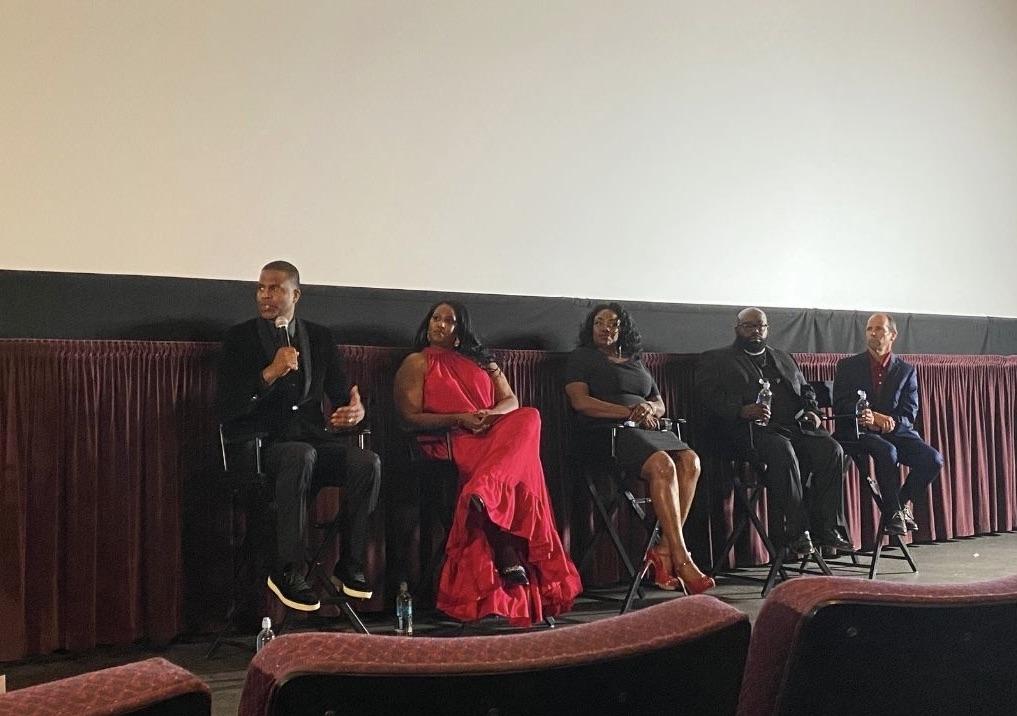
x=502 y=467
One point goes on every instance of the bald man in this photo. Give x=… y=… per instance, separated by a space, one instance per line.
x=888 y=429
x=791 y=442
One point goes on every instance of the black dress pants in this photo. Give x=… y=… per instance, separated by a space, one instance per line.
x=300 y=469
x=791 y=456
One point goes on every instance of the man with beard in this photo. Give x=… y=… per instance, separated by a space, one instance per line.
x=786 y=436
x=887 y=428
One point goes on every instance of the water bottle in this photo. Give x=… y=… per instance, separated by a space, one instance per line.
x=863 y=403
x=765 y=397
x=404 y=611
x=265 y=635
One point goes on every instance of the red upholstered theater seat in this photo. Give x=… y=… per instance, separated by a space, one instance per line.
x=153 y=687
x=825 y=645
x=683 y=656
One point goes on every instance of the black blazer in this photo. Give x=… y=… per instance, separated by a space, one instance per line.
x=897 y=398
x=284 y=412
x=726 y=379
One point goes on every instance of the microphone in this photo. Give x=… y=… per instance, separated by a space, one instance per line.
x=284 y=323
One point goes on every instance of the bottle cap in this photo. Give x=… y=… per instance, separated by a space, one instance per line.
x=266 y=623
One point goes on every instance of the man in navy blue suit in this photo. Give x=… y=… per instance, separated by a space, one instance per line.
x=887 y=430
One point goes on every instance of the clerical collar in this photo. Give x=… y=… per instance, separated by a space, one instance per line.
x=748 y=353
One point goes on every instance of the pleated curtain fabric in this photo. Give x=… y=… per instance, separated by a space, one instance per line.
x=112 y=530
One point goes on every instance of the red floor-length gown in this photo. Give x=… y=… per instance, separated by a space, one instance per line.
x=502 y=467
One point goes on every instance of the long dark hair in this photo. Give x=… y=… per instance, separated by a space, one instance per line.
x=630 y=343
x=469 y=343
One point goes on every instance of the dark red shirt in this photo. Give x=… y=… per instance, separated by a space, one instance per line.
x=878 y=369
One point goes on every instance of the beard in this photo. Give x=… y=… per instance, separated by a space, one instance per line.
x=750 y=345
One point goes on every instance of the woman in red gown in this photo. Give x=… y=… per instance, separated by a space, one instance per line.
x=504 y=556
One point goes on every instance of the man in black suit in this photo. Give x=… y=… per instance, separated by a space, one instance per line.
x=786 y=436
x=888 y=426
x=274 y=373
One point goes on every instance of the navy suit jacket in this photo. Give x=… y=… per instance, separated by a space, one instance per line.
x=898 y=397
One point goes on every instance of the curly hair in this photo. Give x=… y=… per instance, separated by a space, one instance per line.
x=469 y=343
x=630 y=343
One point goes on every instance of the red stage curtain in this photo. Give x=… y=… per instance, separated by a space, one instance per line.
x=968 y=411
x=99 y=438
x=111 y=532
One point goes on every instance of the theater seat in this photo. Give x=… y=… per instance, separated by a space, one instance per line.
x=153 y=687
x=853 y=646
x=683 y=656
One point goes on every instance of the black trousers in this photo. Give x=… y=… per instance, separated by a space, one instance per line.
x=889 y=450
x=300 y=469
x=791 y=456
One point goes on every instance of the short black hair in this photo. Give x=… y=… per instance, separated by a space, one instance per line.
x=630 y=343
x=287 y=268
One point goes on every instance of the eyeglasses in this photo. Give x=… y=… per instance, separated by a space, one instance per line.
x=613 y=325
x=754 y=326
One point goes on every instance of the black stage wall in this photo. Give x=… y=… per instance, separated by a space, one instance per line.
x=40 y=304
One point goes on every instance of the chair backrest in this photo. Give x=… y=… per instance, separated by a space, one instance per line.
x=153 y=687
x=824 y=392
x=683 y=656
x=853 y=646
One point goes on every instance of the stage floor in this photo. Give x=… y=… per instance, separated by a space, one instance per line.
x=962 y=560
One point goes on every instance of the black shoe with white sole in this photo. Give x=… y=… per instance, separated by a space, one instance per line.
x=352 y=582
x=293 y=591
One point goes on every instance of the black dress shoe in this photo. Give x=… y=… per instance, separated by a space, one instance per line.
x=834 y=539
x=896 y=524
x=801 y=546
x=909 y=519
x=514 y=575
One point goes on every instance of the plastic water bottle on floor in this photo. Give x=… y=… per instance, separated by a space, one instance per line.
x=404 y=611
x=265 y=635
x=765 y=397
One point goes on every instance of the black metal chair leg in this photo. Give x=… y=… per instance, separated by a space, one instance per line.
x=747 y=505
x=775 y=568
x=611 y=531
x=637 y=579
x=318 y=573
x=907 y=553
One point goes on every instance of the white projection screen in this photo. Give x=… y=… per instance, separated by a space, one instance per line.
x=829 y=154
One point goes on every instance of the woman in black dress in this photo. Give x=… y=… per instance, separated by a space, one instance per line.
x=607 y=383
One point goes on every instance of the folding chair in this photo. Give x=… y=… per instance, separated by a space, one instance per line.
x=438 y=481
x=608 y=506
x=242 y=477
x=848 y=435
x=748 y=478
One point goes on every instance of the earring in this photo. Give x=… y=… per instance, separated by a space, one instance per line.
x=456 y=344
